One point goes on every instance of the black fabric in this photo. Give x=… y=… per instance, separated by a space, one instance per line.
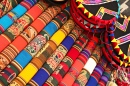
x=125 y=7
x=53 y=2
x=94 y=8
x=118 y=33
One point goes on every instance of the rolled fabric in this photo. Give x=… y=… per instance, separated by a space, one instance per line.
x=24 y=56
x=11 y=51
x=84 y=74
x=79 y=63
x=7 y=5
x=66 y=63
x=13 y=31
x=48 y=49
x=7 y=20
x=105 y=76
x=97 y=72
x=53 y=61
x=25 y=75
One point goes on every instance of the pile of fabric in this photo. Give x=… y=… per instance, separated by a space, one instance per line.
x=64 y=43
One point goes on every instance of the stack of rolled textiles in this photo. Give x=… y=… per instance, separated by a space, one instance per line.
x=42 y=43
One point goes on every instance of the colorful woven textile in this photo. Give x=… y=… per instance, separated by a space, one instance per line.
x=66 y=63
x=97 y=73
x=19 y=62
x=49 y=47
x=7 y=5
x=15 y=13
x=13 y=31
x=79 y=63
x=25 y=37
x=105 y=76
x=86 y=71
x=53 y=61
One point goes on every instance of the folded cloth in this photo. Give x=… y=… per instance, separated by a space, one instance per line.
x=66 y=63
x=79 y=63
x=21 y=60
x=7 y=5
x=84 y=74
x=49 y=48
x=7 y=20
x=14 y=30
x=105 y=76
x=97 y=72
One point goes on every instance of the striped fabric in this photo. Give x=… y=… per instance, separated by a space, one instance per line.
x=20 y=61
x=66 y=63
x=26 y=74
x=105 y=76
x=60 y=52
x=46 y=52
x=13 y=31
x=7 y=5
x=75 y=69
x=97 y=73
x=15 y=13
x=85 y=72
x=10 y=52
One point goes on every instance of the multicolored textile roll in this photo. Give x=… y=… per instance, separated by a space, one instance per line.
x=24 y=57
x=13 y=31
x=10 y=52
x=7 y=5
x=15 y=13
x=38 y=79
x=75 y=69
x=85 y=72
x=105 y=76
x=60 y=52
x=97 y=73
x=66 y=63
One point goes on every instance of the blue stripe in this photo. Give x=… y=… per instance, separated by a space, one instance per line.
x=23 y=58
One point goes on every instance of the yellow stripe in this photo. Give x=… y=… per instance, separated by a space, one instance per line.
x=28 y=72
x=58 y=37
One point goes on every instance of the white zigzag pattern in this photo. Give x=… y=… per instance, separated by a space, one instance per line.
x=124 y=6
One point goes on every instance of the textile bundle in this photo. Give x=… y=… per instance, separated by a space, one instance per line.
x=64 y=43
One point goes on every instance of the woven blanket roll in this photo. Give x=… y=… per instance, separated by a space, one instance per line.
x=84 y=74
x=7 y=20
x=49 y=49
x=11 y=51
x=24 y=54
x=53 y=61
x=79 y=63
x=105 y=76
x=97 y=72
x=7 y=5
x=66 y=63
x=26 y=74
x=21 y=24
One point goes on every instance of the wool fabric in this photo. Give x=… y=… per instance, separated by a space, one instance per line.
x=53 y=61
x=105 y=76
x=7 y=20
x=97 y=72
x=66 y=63
x=84 y=75
x=56 y=40
x=79 y=63
x=13 y=31
x=11 y=51
x=7 y=5
x=24 y=57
